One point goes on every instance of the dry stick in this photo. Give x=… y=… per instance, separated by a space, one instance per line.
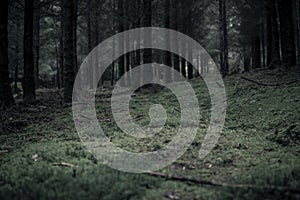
x=64 y=164
x=216 y=184
x=268 y=85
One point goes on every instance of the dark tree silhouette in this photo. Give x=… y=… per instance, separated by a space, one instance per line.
x=6 y=98
x=69 y=52
x=273 y=49
x=28 y=78
x=223 y=38
x=287 y=33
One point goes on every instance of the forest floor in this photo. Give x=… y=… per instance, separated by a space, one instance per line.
x=257 y=156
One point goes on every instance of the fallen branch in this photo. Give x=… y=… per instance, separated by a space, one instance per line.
x=216 y=184
x=64 y=164
x=267 y=84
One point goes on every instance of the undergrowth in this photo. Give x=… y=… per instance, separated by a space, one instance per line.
x=258 y=146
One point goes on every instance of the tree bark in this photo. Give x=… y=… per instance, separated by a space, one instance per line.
x=36 y=41
x=223 y=38
x=175 y=12
x=287 y=33
x=256 y=52
x=274 y=60
x=69 y=49
x=263 y=44
x=147 y=22
x=168 y=55
x=183 y=44
x=121 y=62
x=28 y=78
x=6 y=97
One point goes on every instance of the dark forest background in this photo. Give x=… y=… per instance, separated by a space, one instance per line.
x=254 y=43
x=44 y=42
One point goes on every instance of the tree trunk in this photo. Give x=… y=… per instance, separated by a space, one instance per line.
x=246 y=59
x=168 y=56
x=175 y=12
x=273 y=35
x=28 y=78
x=287 y=32
x=75 y=66
x=183 y=44
x=121 y=62
x=36 y=41
x=6 y=98
x=16 y=76
x=69 y=49
x=223 y=38
x=255 y=51
x=148 y=54
x=147 y=22
x=298 y=31
x=127 y=43
x=263 y=44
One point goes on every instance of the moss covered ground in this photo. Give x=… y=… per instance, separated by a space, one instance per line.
x=259 y=146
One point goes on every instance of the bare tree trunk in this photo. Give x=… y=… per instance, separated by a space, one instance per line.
x=36 y=41
x=263 y=44
x=273 y=35
x=298 y=31
x=147 y=22
x=69 y=49
x=168 y=56
x=223 y=38
x=175 y=13
x=287 y=33
x=28 y=78
x=121 y=62
x=75 y=37
x=183 y=44
x=256 y=50
x=16 y=76
x=6 y=97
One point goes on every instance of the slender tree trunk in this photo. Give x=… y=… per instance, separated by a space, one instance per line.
x=263 y=44
x=36 y=41
x=148 y=54
x=298 y=31
x=28 y=78
x=223 y=38
x=287 y=33
x=112 y=80
x=147 y=22
x=168 y=55
x=121 y=62
x=16 y=75
x=75 y=37
x=246 y=59
x=256 y=54
x=61 y=63
x=273 y=35
x=226 y=61
x=175 y=13
x=183 y=44
x=127 y=43
x=69 y=49
x=6 y=97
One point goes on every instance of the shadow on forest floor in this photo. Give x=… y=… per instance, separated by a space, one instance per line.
x=41 y=155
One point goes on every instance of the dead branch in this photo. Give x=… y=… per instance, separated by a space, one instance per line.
x=216 y=184
x=64 y=164
x=268 y=85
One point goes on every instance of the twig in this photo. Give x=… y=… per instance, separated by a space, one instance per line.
x=268 y=85
x=216 y=184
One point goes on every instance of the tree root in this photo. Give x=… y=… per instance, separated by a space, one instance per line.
x=216 y=184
